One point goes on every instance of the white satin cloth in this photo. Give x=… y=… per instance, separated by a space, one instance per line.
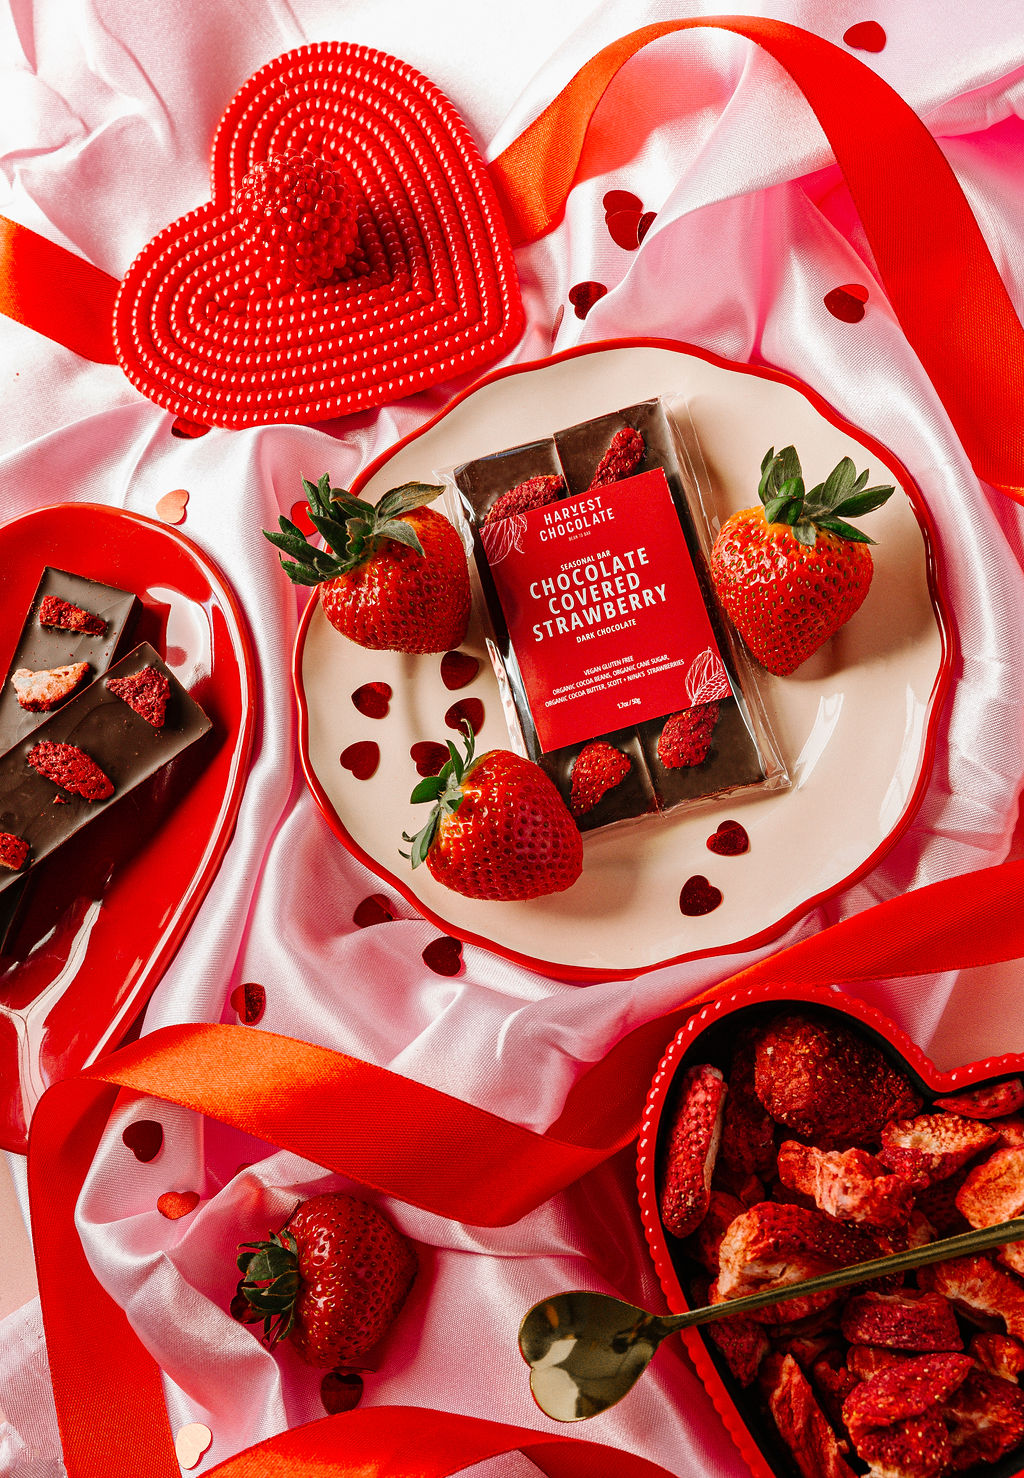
x=107 y=110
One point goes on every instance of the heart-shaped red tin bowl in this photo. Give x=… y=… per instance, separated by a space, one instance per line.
x=710 y=1037
x=197 y=332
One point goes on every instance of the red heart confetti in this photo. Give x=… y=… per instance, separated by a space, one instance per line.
x=624 y=228
x=730 y=840
x=191 y=1442
x=361 y=758
x=171 y=507
x=249 y=1001
x=299 y=516
x=144 y=1138
x=645 y=223
x=584 y=295
x=621 y=200
x=458 y=669
x=865 y=36
x=195 y=326
x=188 y=430
x=443 y=955
x=698 y=896
x=175 y=1204
x=341 y=1390
x=467 y=710
x=376 y=909
x=373 y=699
x=429 y=756
x=847 y=302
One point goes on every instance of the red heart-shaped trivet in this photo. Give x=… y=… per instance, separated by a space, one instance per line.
x=719 y=1035
x=197 y=332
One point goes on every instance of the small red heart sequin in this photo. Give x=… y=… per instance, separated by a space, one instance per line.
x=865 y=36
x=584 y=295
x=373 y=699
x=362 y=758
x=645 y=224
x=698 y=896
x=624 y=228
x=188 y=430
x=444 y=955
x=144 y=1138
x=467 y=710
x=847 y=302
x=191 y=1442
x=458 y=669
x=376 y=909
x=299 y=516
x=428 y=756
x=730 y=840
x=249 y=1001
x=174 y=1204
x=341 y=1390
x=621 y=200
x=171 y=507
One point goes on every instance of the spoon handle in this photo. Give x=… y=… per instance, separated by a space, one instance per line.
x=964 y=1245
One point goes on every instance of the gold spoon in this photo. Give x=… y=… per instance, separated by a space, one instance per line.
x=587 y=1350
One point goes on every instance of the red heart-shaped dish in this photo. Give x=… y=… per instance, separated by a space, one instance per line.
x=437 y=295
x=820 y=1391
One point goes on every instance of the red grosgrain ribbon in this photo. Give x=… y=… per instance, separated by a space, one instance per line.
x=52 y=291
x=935 y=267
x=368 y=1123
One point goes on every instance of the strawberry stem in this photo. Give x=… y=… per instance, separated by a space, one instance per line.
x=841 y=496
x=445 y=791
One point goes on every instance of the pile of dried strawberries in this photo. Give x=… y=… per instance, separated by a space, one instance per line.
x=814 y=1151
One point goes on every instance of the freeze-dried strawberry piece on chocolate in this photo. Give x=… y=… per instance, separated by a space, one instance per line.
x=999 y=1354
x=685 y=739
x=692 y=1145
x=991 y=1102
x=773 y=1246
x=901 y=1321
x=748 y=1133
x=986 y=1419
x=598 y=768
x=906 y=1390
x=40 y=691
x=145 y=692
x=801 y=1422
x=828 y=1084
x=916 y=1448
x=13 y=851
x=932 y=1146
x=850 y=1185
x=55 y=612
x=70 y=768
x=535 y=492
x=621 y=459
x=980 y=1289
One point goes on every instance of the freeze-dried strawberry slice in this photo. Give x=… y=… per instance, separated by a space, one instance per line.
x=598 y=768
x=723 y=1209
x=145 y=692
x=13 y=851
x=70 y=768
x=694 y=1134
x=979 y=1288
x=932 y=1146
x=904 y=1391
x=938 y=1203
x=991 y=1102
x=827 y=1084
x=743 y=1344
x=535 y=492
x=999 y=1354
x=801 y=1422
x=1009 y=1131
x=850 y=1185
x=986 y=1419
x=832 y=1382
x=748 y=1134
x=994 y=1190
x=40 y=691
x=901 y=1321
x=916 y=1448
x=772 y=1246
x=62 y=614
x=865 y=1360
x=620 y=460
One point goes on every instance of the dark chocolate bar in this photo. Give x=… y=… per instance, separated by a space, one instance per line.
x=45 y=647
x=125 y=747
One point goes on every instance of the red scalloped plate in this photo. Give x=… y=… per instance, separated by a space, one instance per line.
x=103 y=917
x=709 y=1036
x=195 y=332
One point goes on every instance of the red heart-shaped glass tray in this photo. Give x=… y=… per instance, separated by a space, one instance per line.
x=103 y=917
x=710 y=1036
x=195 y=333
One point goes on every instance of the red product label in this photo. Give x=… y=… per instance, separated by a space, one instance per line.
x=604 y=611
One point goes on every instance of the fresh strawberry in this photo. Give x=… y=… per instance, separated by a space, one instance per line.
x=332 y=1279
x=40 y=691
x=145 y=692
x=498 y=830
x=535 y=492
x=300 y=217
x=620 y=460
x=393 y=577
x=596 y=770
x=686 y=737
x=13 y=851
x=70 y=768
x=793 y=571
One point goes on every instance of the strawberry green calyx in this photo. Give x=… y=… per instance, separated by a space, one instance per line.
x=841 y=496
x=270 y=1283
x=445 y=791
x=352 y=529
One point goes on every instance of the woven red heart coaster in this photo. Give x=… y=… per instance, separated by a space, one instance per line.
x=436 y=295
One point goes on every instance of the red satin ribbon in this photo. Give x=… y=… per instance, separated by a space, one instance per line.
x=56 y=293
x=365 y=1122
